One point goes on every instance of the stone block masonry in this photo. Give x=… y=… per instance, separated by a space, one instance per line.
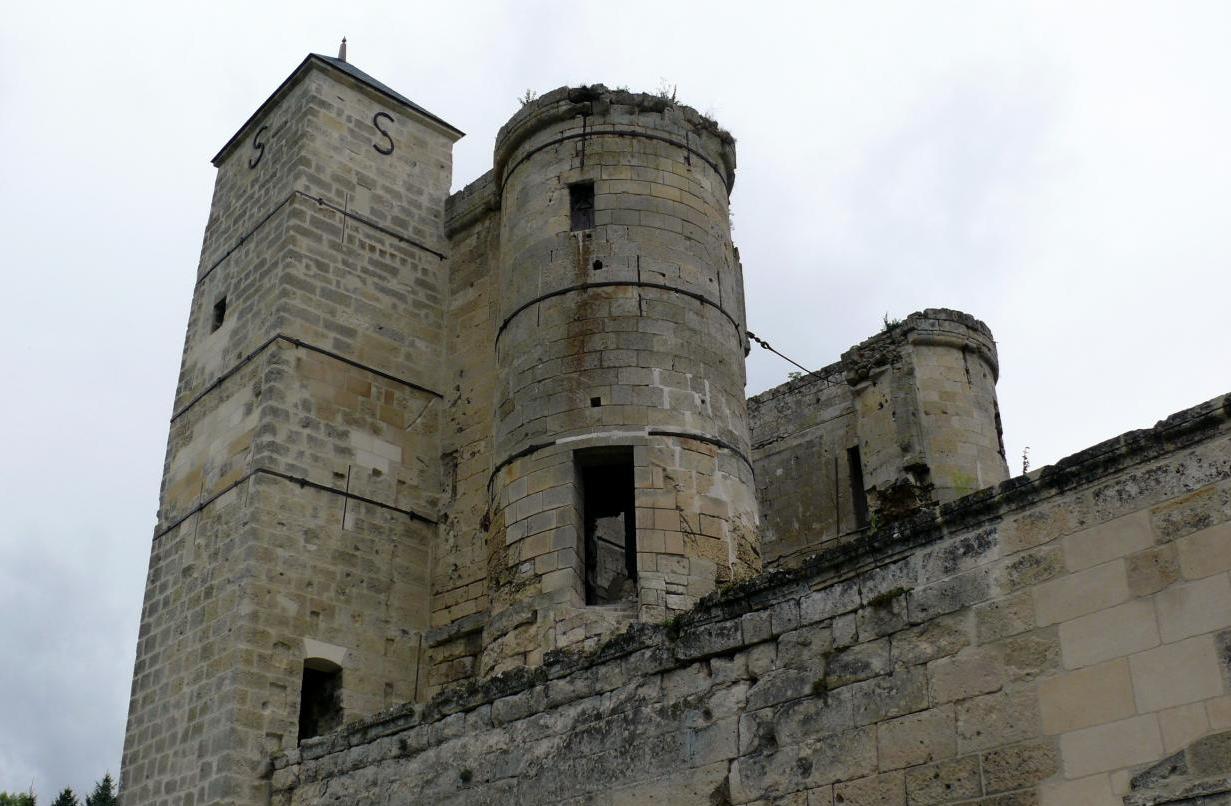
x=925 y=663
x=298 y=511
x=463 y=503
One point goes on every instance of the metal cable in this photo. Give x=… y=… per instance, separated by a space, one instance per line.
x=766 y=345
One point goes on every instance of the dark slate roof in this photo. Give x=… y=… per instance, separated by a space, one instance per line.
x=343 y=67
x=357 y=74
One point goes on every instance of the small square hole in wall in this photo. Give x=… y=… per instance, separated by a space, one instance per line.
x=595 y=402
x=598 y=264
x=220 y=314
x=581 y=206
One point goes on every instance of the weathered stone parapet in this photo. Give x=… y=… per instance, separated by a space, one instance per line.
x=927 y=662
x=940 y=326
x=471 y=203
x=616 y=110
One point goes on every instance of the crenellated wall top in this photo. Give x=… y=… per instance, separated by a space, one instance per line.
x=616 y=111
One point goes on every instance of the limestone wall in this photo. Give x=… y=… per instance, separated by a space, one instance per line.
x=1039 y=642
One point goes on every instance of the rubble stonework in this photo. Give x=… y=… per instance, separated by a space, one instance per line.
x=473 y=476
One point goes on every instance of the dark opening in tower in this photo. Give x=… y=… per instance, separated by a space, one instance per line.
x=581 y=207
x=859 y=496
x=609 y=524
x=220 y=314
x=320 y=699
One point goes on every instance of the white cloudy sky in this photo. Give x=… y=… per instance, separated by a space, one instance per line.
x=1059 y=170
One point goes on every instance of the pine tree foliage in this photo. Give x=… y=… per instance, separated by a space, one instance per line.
x=104 y=793
x=66 y=798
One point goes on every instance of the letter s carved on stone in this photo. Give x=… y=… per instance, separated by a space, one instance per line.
x=258 y=146
x=386 y=150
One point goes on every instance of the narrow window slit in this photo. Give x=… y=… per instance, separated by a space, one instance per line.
x=859 y=496
x=581 y=206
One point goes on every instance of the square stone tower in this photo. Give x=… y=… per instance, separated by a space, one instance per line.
x=288 y=577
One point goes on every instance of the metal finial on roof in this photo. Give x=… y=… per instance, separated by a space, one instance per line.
x=342 y=50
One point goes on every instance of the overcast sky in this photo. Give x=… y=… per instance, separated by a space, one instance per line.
x=1060 y=171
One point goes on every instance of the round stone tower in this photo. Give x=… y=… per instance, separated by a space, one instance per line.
x=622 y=486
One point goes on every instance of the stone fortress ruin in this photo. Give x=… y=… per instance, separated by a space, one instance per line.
x=464 y=503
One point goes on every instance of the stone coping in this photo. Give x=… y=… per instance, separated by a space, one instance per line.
x=941 y=326
x=1191 y=776
x=696 y=634
x=465 y=625
x=832 y=375
x=916 y=327
x=471 y=203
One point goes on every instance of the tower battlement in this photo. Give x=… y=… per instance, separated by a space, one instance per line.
x=564 y=108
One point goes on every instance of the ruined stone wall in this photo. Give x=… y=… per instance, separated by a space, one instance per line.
x=801 y=433
x=1041 y=642
x=302 y=474
x=907 y=418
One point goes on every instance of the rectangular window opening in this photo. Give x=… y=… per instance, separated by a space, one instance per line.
x=581 y=206
x=220 y=313
x=320 y=699
x=859 y=496
x=609 y=523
